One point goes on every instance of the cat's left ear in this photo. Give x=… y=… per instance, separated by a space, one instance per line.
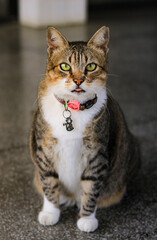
x=100 y=39
x=55 y=39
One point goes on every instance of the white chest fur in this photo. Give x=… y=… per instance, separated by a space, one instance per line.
x=70 y=160
x=70 y=163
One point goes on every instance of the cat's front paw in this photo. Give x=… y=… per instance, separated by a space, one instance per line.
x=49 y=218
x=87 y=224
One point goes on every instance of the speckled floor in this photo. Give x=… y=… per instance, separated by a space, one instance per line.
x=133 y=82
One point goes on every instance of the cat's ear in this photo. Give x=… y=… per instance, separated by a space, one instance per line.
x=100 y=39
x=55 y=39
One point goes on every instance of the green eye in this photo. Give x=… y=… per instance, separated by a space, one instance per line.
x=91 y=67
x=65 y=66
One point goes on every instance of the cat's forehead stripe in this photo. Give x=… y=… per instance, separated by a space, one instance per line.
x=78 y=55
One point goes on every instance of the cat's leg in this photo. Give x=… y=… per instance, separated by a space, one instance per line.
x=47 y=182
x=50 y=213
x=92 y=180
x=87 y=221
x=49 y=209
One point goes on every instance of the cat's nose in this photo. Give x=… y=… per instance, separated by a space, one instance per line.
x=78 y=81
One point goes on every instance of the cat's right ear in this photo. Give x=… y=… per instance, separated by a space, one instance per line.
x=100 y=39
x=55 y=40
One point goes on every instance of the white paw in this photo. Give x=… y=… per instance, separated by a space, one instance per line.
x=87 y=224
x=49 y=218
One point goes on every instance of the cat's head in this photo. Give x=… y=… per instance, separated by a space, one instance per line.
x=77 y=70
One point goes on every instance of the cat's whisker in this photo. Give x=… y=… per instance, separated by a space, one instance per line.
x=36 y=100
x=42 y=75
x=112 y=75
x=86 y=77
x=109 y=91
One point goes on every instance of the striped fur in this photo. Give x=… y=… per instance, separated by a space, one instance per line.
x=91 y=165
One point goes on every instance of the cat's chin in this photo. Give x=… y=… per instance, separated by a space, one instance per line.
x=82 y=97
x=81 y=93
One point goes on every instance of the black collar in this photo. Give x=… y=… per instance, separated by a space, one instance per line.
x=82 y=106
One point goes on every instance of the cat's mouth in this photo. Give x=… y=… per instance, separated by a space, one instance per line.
x=78 y=90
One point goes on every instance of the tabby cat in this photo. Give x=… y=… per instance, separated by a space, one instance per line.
x=80 y=144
